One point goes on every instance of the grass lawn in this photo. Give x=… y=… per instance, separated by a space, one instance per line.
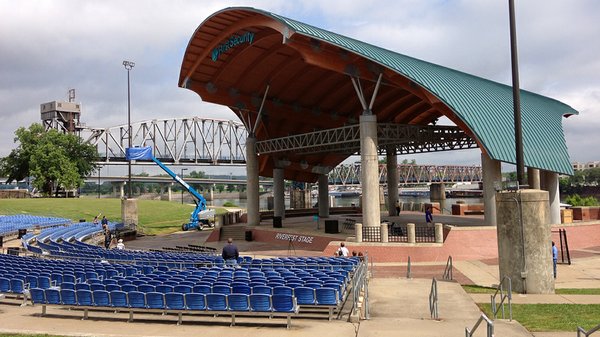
x=553 y=317
x=579 y=291
x=155 y=217
x=473 y=289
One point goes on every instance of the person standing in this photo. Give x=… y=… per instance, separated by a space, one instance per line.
x=107 y=236
x=104 y=220
x=342 y=251
x=230 y=253
x=397 y=207
x=554 y=257
x=120 y=245
x=428 y=215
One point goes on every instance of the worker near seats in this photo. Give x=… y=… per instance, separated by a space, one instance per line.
x=230 y=253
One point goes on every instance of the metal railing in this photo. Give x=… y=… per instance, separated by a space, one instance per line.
x=424 y=234
x=490 y=327
x=433 y=300
x=448 y=270
x=505 y=294
x=360 y=287
x=582 y=333
x=371 y=233
x=408 y=268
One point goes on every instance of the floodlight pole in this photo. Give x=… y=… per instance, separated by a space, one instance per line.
x=516 y=96
x=128 y=65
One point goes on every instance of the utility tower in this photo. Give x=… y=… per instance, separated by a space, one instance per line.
x=62 y=115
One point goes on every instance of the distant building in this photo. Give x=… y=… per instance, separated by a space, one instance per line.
x=580 y=166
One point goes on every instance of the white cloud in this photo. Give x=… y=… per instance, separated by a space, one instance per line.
x=51 y=46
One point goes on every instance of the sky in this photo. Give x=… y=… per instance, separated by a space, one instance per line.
x=48 y=47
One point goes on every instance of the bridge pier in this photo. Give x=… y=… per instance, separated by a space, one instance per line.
x=492 y=180
x=122 y=190
x=392 y=179
x=437 y=191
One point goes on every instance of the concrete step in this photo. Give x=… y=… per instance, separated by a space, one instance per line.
x=234 y=232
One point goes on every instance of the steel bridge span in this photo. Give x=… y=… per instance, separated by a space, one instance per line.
x=204 y=141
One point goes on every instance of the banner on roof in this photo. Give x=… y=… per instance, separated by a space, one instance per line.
x=138 y=153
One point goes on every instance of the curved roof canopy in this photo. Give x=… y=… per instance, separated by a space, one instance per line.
x=237 y=53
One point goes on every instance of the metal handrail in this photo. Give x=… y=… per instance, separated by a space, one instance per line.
x=580 y=331
x=408 y=269
x=490 y=326
x=360 y=285
x=448 y=270
x=433 y=300
x=503 y=296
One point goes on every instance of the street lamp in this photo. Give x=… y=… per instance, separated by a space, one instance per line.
x=128 y=65
x=183 y=169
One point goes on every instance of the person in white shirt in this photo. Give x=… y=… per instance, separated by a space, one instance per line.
x=342 y=251
x=120 y=244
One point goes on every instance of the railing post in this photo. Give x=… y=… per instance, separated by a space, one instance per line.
x=384 y=232
x=410 y=228
x=408 y=271
x=439 y=233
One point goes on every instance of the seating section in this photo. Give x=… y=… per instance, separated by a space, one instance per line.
x=279 y=287
x=10 y=224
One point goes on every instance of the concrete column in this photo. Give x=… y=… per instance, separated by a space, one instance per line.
x=437 y=191
x=323 y=196
x=392 y=179
x=122 y=190
x=551 y=185
x=210 y=194
x=533 y=178
x=170 y=192
x=369 y=170
x=524 y=241
x=439 y=233
x=278 y=193
x=114 y=191
x=252 y=182
x=410 y=228
x=384 y=232
x=492 y=177
x=358 y=232
x=129 y=212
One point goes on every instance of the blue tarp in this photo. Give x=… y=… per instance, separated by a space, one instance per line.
x=138 y=153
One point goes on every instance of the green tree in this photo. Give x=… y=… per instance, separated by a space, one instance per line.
x=54 y=160
x=197 y=174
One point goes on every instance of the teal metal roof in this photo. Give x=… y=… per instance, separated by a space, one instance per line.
x=486 y=107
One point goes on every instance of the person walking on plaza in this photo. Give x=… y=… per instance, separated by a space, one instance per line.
x=428 y=215
x=342 y=251
x=230 y=253
x=554 y=257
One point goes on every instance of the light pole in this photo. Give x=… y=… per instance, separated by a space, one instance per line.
x=128 y=65
x=183 y=169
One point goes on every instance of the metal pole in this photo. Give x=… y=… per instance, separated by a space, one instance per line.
x=183 y=169
x=128 y=66
x=516 y=96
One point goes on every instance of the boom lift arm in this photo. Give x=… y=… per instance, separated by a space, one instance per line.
x=201 y=216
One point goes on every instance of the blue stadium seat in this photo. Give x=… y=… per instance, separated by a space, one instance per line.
x=260 y=302
x=67 y=297
x=221 y=289
x=238 y=302
x=101 y=298
x=174 y=301
x=182 y=289
x=84 y=298
x=162 y=288
x=155 y=300
x=261 y=289
x=136 y=299
x=283 y=303
x=305 y=295
x=241 y=289
x=146 y=288
x=326 y=296
x=283 y=290
x=118 y=298
x=202 y=289
x=37 y=296
x=216 y=302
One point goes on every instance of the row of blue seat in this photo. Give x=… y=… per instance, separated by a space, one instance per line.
x=10 y=224
x=191 y=302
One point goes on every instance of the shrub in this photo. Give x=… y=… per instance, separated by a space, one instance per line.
x=577 y=200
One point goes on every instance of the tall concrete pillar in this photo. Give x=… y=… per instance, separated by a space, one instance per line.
x=551 y=185
x=252 y=182
x=533 y=178
x=323 y=196
x=492 y=177
x=129 y=212
x=278 y=193
x=392 y=179
x=369 y=170
x=114 y=191
x=170 y=192
x=524 y=240
x=122 y=190
x=437 y=191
